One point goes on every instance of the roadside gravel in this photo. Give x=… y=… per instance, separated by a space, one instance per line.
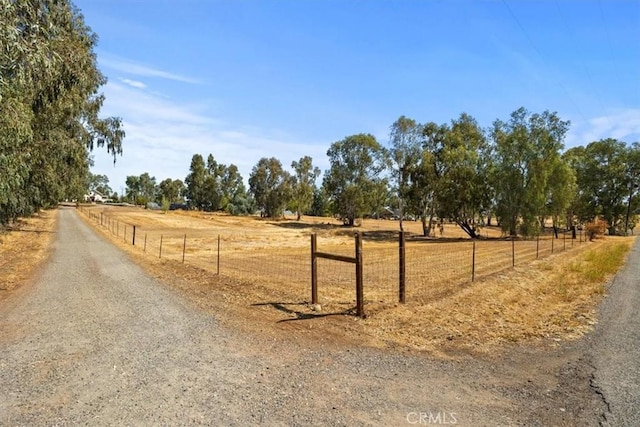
x=614 y=347
x=96 y=341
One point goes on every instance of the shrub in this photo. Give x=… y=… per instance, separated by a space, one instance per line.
x=596 y=228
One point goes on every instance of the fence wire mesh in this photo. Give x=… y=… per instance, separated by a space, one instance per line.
x=434 y=268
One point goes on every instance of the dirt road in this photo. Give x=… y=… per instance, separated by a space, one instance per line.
x=95 y=341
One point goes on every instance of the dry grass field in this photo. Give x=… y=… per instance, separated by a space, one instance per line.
x=264 y=270
x=24 y=245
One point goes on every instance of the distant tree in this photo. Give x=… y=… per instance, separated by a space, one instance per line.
x=195 y=182
x=271 y=186
x=525 y=151
x=380 y=196
x=321 y=205
x=406 y=138
x=356 y=164
x=141 y=189
x=133 y=189
x=171 y=190
x=148 y=187
x=424 y=176
x=304 y=184
x=99 y=183
x=234 y=199
x=464 y=193
x=633 y=183
x=212 y=192
x=561 y=192
x=214 y=186
x=607 y=173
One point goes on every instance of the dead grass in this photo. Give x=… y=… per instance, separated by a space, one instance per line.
x=23 y=246
x=551 y=300
x=265 y=281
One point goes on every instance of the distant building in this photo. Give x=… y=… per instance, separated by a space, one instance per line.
x=96 y=197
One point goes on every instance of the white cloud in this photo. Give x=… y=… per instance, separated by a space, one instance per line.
x=131 y=67
x=134 y=83
x=162 y=136
x=623 y=125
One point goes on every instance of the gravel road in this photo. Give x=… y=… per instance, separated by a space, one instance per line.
x=614 y=348
x=95 y=341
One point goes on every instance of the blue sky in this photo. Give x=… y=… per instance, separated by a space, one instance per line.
x=249 y=79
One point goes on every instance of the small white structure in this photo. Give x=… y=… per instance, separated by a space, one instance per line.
x=95 y=196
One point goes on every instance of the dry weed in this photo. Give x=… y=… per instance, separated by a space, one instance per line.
x=265 y=280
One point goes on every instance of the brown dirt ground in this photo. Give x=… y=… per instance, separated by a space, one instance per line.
x=530 y=303
x=23 y=247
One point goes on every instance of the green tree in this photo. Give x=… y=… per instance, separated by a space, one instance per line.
x=321 y=205
x=212 y=193
x=425 y=175
x=133 y=188
x=607 y=172
x=633 y=183
x=525 y=150
x=304 y=184
x=171 y=190
x=148 y=188
x=99 y=183
x=560 y=195
x=271 y=186
x=141 y=189
x=406 y=138
x=50 y=106
x=235 y=199
x=356 y=164
x=195 y=182
x=464 y=193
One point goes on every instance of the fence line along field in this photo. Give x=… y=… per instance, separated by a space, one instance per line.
x=276 y=253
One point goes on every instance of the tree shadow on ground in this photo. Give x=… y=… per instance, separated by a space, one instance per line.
x=300 y=315
x=417 y=238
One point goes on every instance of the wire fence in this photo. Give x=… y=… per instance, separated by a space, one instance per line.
x=431 y=268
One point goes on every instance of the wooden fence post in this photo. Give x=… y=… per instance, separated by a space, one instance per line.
x=218 y=258
x=314 y=270
x=402 y=268
x=144 y=249
x=134 y=236
x=184 y=247
x=160 y=254
x=473 y=261
x=513 y=251
x=359 y=278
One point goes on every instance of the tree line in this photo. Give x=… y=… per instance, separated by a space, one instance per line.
x=49 y=106
x=514 y=173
